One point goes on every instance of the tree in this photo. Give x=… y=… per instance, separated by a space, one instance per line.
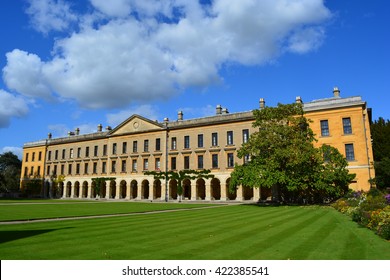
x=283 y=157
x=180 y=176
x=380 y=132
x=56 y=181
x=99 y=181
x=10 y=167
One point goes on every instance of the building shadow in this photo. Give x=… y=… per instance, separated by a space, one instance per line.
x=11 y=235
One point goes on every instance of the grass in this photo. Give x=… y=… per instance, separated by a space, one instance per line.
x=231 y=232
x=53 y=209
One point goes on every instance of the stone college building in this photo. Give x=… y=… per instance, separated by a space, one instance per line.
x=139 y=144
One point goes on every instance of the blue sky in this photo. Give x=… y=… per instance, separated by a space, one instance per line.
x=73 y=63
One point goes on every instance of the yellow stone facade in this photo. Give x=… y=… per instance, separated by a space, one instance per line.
x=139 y=144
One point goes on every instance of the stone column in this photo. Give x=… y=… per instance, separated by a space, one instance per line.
x=223 y=191
x=193 y=189
x=118 y=191
x=208 y=190
x=72 y=187
x=239 y=193
x=108 y=191
x=128 y=189
x=256 y=194
x=89 y=192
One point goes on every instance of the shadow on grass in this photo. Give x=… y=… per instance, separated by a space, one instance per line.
x=11 y=235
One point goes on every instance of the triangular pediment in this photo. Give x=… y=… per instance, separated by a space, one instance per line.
x=136 y=124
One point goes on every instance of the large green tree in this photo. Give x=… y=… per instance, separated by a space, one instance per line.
x=10 y=166
x=282 y=156
x=380 y=132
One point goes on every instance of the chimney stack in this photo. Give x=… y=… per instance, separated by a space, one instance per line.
x=77 y=131
x=262 y=103
x=218 y=110
x=180 y=115
x=336 y=92
x=100 y=127
x=298 y=99
x=49 y=135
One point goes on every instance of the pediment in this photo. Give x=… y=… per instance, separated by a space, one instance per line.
x=136 y=124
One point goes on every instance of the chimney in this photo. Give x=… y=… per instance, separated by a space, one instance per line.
x=180 y=115
x=336 y=92
x=166 y=120
x=49 y=135
x=100 y=127
x=298 y=99
x=218 y=110
x=262 y=103
x=225 y=111
x=108 y=127
x=77 y=131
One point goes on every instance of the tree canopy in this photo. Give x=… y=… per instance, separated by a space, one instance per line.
x=281 y=156
x=380 y=132
x=10 y=167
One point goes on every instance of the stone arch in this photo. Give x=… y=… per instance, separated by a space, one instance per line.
x=60 y=189
x=173 y=189
x=112 y=189
x=68 y=189
x=200 y=189
x=215 y=189
x=145 y=189
x=122 y=189
x=84 y=192
x=230 y=195
x=247 y=193
x=187 y=189
x=157 y=189
x=133 y=189
x=76 y=191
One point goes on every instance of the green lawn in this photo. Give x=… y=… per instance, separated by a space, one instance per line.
x=54 y=209
x=228 y=232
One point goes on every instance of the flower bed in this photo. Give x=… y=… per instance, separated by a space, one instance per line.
x=371 y=210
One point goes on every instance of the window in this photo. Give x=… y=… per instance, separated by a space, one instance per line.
x=113 y=166
x=56 y=155
x=104 y=167
x=245 y=135
x=200 y=140
x=95 y=151
x=63 y=153
x=174 y=143
x=104 y=149
x=186 y=142
x=32 y=171
x=78 y=152
x=26 y=171
x=123 y=169
x=230 y=137
x=247 y=158
x=94 y=168
x=158 y=144
x=157 y=164
x=347 y=126
x=135 y=146
x=33 y=156
x=124 y=147
x=186 y=162
x=71 y=153
x=86 y=151
x=146 y=145
x=39 y=156
x=230 y=159
x=214 y=139
x=146 y=164
x=86 y=168
x=349 y=152
x=134 y=165
x=39 y=171
x=49 y=155
x=324 y=128
x=78 y=168
x=114 y=148
x=200 y=161
x=62 y=169
x=26 y=157
x=70 y=168
x=173 y=163
x=54 y=171
x=214 y=161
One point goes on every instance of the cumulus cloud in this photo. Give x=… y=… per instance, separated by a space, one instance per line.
x=50 y=15
x=11 y=106
x=15 y=150
x=136 y=51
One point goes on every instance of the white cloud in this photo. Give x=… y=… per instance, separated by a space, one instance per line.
x=11 y=106
x=50 y=15
x=167 y=47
